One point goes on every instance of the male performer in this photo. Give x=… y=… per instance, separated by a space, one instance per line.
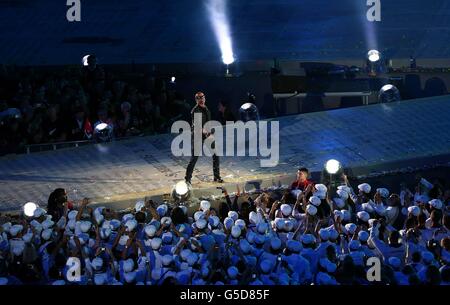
x=206 y=116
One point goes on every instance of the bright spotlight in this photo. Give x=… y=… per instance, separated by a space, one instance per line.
x=228 y=59
x=29 y=208
x=172 y=79
x=103 y=132
x=332 y=166
x=388 y=94
x=217 y=13
x=181 y=190
x=373 y=55
x=85 y=60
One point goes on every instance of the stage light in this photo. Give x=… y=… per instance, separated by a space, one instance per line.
x=84 y=60
x=29 y=208
x=332 y=166
x=373 y=56
x=181 y=191
x=103 y=132
x=172 y=79
x=388 y=94
x=249 y=112
x=217 y=13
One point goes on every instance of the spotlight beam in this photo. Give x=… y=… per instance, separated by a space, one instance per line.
x=217 y=14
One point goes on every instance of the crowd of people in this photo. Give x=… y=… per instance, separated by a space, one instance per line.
x=48 y=106
x=307 y=234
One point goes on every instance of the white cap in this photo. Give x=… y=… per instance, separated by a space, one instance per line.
x=324 y=234
x=363 y=215
x=105 y=233
x=344 y=188
x=39 y=212
x=47 y=234
x=166 y=221
x=240 y=223
x=338 y=214
x=275 y=243
x=167 y=259
x=232 y=272
x=394 y=262
x=205 y=205
x=315 y=200
x=139 y=205
x=234 y=215
x=350 y=227
x=364 y=187
x=15 y=229
x=414 y=210
x=279 y=223
x=262 y=227
x=286 y=209
x=308 y=239
x=266 y=266
x=97 y=263
x=245 y=246
x=156 y=243
x=72 y=214
x=127 y=217
x=346 y=215
x=363 y=236
x=436 y=203
x=167 y=237
x=354 y=244
x=162 y=210
x=85 y=226
x=235 y=231
x=201 y=224
x=311 y=209
x=185 y=253
x=427 y=256
x=128 y=265
x=131 y=225
x=26 y=238
x=384 y=192
x=254 y=217
x=321 y=188
x=367 y=206
x=288 y=225
x=339 y=202
x=213 y=221
x=334 y=234
x=342 y=194
x=198 y=215
x=150 y=230
x=228 y=223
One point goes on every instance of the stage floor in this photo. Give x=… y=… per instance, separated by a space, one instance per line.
x=120 y=172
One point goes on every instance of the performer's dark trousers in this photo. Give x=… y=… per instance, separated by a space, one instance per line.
x=193 y=161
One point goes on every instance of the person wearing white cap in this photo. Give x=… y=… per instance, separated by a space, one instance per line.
x=393 y=248
x=396 y=264
x=301 y=267
x=308 y=251
x=363 y=237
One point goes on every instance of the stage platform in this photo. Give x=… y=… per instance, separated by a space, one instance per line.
x=368 y=139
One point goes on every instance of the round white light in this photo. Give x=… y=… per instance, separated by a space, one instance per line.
x=85 y=60
x=387 y=87
x=172 y=79
x=29 y=208
x=181 y=188
x=373 y=55
x=101 y=126
x=332 y=166
x=228 y=59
